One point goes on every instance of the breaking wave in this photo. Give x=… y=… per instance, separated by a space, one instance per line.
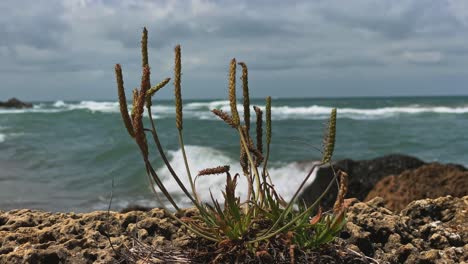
x=201 y=110
x=286 y=177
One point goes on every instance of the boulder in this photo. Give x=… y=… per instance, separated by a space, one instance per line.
x=15 y=103
x=429 y=181
x=363 y=175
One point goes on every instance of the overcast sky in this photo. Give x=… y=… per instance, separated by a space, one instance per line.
x=52 y=50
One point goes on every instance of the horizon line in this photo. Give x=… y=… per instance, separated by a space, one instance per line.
x=262 y=98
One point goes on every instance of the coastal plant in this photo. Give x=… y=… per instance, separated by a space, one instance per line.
x=264 y=215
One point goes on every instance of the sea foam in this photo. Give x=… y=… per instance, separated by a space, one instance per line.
x=286 y=177
x=201 y=110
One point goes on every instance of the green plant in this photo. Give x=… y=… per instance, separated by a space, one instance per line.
x=265 y=214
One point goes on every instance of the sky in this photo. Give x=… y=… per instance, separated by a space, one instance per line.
x=66 y=50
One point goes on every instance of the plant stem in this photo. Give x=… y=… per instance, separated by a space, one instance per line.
x=252 y=164
x=163 y=156
x=149 y=169
x=265 y=163
x=197 y=232
x=307 y=211
x=293 y=199
x=192 y=183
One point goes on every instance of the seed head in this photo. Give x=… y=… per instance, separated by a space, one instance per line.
x=268 y=120
x=224 y=116
x=123 y=100
x=178 y=96
x=339 y=203
x=259 y=129
x=245 y=94
x=154 y=89
x=216 y=170
x=329 y=138
x=140 y=136
x=135 y=99
x=144 y=48
x=232 y=93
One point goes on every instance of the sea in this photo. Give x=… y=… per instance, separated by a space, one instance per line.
x=70 y=156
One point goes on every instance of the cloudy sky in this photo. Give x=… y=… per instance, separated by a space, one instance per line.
x=52 y=50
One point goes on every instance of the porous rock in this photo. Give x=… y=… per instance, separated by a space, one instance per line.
x=429 y=181
x=426 y=231
x=30 y=236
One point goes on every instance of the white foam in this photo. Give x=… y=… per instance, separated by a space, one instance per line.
x=209 y=105
x=59 y=104
x=29 y=110
x=201 y=110
x=106 y=107
x=2 y=138
x=286 y=178
x=323 y=112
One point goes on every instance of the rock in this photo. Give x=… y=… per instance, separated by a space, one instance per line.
x=29 y=236
x=426 y=231
x=15 y=103
x=363 y=175
x=429 y=181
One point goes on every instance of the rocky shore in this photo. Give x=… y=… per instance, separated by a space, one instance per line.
x=426 y=231
x=420 y=219
x=400 y=179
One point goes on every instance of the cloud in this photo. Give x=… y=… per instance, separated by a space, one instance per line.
x=25 y=23
x=325 y=40
x=422 y=57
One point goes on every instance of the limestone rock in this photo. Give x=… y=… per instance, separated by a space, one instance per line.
x=429 y=181
x=426 y=231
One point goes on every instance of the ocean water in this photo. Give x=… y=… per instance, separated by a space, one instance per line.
x=62 y=156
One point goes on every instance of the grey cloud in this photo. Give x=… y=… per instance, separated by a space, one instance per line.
x=35 y=25
x=279 y=40
x=352 y=62
x=419 y=18
x=216 y=27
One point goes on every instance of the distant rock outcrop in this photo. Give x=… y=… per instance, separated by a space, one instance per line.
x=363 y=175
x=15 y=103
x=429 y=181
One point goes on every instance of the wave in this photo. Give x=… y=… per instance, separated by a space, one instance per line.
x=286 y=177
x=2 y=138
x=105 y=107
x=201 y=110
x=29 y=110
x=322 y=112
x=207 y=105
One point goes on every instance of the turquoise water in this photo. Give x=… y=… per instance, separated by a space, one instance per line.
x=62 y=156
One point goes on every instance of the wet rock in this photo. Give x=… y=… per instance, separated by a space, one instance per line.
x=429 y=181
x=15 y=103
x=363 y=175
